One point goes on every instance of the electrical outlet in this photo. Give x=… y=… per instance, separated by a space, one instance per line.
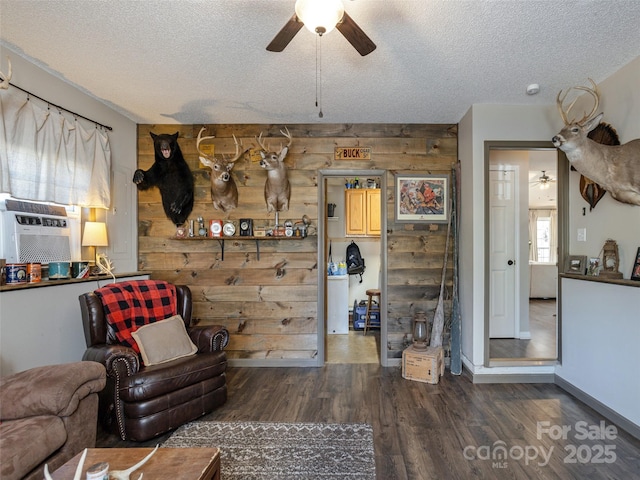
x=582 y=235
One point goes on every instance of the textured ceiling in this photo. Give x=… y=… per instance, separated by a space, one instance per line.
x=197 y=62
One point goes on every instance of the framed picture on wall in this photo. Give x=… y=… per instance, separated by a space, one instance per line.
x=422 y=198
x=576 y=264
x=635 y=272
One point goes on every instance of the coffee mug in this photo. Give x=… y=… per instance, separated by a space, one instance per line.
x=59 y=270
x=77 y=268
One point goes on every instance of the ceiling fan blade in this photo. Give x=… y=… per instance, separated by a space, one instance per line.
x=355 y=35
x=284 y=36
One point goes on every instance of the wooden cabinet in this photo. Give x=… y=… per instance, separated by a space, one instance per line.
x=373 y=212
x=362 y=207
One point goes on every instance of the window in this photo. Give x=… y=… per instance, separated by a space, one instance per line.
x=543 y=237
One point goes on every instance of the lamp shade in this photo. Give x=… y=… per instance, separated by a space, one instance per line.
x=319 y=16
x=95 y=234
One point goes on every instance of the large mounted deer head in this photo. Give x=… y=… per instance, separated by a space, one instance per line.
x=277 y=189
x=615 y=167
x=224 y=192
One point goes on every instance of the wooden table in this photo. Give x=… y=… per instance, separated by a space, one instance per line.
x=182 y=463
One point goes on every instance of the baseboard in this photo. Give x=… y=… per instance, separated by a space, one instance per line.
x=276 y=362
x=513 y=378
x=290 y=362
x=510 y=371
x=611 y=415
x=394 y=362
x=525 y=335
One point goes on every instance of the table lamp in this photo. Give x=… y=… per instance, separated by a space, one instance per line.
x=95 y=235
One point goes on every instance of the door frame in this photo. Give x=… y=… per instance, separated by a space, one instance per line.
x=322 y=255
x=563 y=239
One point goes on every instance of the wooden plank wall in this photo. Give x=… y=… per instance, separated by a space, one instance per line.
x=270 y=305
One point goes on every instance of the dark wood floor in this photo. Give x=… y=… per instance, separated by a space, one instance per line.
x=542 y=326
x=425 y=431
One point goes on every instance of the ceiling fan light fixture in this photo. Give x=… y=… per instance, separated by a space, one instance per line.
x=319 y=16
x=545 y=181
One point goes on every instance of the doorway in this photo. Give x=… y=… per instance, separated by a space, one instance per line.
x=525 y=238
x=339 y=343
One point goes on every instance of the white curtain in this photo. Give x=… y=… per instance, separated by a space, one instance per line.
x=45 y=156
x=533 y=234
x=553 y=230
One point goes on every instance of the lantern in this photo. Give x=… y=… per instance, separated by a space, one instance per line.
x=420 y=331
x=610 y=260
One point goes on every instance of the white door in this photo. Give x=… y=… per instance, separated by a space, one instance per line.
x=502 y=255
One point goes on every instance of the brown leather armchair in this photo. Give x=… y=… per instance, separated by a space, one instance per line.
x=141 y=402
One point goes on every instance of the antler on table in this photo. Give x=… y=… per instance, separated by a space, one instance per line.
x=78 y=473
x=125 y=474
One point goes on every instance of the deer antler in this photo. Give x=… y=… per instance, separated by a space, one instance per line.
x=200 y=139
x=261 y=144
x=4 y=84
x=125 y=474
x=239 y=151
x=564 y=113
x=267 y=147
x=78 y=473
x=288 y=135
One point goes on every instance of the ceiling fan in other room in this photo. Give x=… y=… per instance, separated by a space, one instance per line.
x=320 y=17
x=544 y=181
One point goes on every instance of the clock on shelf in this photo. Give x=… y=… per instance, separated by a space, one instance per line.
x=246 y=227
x=215 y=227
x=229 y=229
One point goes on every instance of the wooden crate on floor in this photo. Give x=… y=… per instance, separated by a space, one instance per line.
x=423 y=365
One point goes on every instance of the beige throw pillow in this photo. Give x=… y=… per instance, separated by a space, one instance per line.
x=163 y=341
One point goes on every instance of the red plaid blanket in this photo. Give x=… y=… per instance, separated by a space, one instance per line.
x=129 y=305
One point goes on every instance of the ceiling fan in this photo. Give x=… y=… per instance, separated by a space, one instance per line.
x=320 y=17
x=544 y=181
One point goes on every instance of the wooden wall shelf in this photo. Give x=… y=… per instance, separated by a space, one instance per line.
x=222 y=239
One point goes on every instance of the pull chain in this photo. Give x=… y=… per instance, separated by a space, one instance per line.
x=319 y=74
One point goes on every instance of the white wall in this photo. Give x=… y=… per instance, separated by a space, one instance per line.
x=600 y=355
x=469 y=233
x=43 y=325
x=122 y=216
x=486 y=123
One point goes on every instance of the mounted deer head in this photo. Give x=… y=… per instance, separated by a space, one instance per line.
x=4 y=84
x=224 y=192
x=277 y=189
x=615 y=167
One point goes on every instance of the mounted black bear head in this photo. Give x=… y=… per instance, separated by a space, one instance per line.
x=171 y=174
x=164 y=145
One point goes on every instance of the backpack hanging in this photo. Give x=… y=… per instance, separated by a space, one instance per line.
x=355 y=262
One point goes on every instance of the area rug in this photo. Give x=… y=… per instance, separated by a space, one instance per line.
x=286 y=451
